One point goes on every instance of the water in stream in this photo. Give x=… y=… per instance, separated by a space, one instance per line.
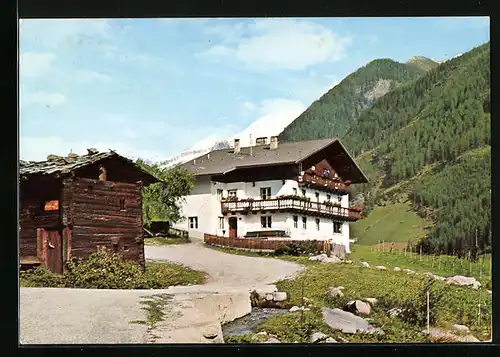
x=244 y=325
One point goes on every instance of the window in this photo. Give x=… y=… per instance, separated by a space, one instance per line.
x=304 y=222
x=219 y=194
x=317 y=224
x=193 y=222
x=295 y=221
x=122 y=204
x=265 y=193
x=304 y=192
x=51 y=205
x=328 y=198
x=337 y=227
x=231 y=193
x=326 y=172
x=338 y=199
x=265 y=221
x=221 y=222
x=294 y=191
x=317 y=195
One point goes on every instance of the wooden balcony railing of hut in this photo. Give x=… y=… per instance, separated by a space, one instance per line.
x=312 y=180
x=292 y=203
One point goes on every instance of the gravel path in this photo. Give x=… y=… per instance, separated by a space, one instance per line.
x=88 y=316
x=224 y=269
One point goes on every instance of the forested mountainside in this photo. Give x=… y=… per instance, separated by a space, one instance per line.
x=330 y=115
x=426 y=143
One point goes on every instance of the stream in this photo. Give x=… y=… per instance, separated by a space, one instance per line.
x=244 y=325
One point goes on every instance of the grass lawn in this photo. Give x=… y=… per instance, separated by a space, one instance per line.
x=391 y=223
x=392 y=289
x=168 y=274
x=442 y=265
x=165 y=241
x=158 y=275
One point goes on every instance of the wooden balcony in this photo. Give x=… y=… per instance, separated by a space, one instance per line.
x=298 y=205
x=312 y=180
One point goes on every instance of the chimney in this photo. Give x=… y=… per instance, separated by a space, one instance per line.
x=274 y=143
x=261 y=141
x=236 y=146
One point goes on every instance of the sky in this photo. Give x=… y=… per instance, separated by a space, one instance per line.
x=152 y=88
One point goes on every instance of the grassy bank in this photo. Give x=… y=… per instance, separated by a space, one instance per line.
x=451 y=304
x=443 y=265
x=390 y=223
x=104 y=270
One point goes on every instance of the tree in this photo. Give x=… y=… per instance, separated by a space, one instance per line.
x=161 y=201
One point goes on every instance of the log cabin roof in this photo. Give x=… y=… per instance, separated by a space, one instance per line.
x=62 y=166
x=220 y=162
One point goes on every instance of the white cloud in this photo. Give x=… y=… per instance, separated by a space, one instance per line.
x=54 y=33
x=85 y=76
x=46 y=98
x=279 y=44
x=32 y=64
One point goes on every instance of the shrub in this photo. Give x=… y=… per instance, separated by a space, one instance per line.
x=40 y=277
x=107 y=270
x=104 y=270
x=296 y=249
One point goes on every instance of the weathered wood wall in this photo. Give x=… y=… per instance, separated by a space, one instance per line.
x=33 y=195
x=92 y=209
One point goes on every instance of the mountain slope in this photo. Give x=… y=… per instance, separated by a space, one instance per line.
x=330 y=115
x=428 y=142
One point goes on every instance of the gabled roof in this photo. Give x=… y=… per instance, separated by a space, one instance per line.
x=65 y=165
x=220 y=162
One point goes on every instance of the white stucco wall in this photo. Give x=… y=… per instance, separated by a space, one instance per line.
x=204 y=204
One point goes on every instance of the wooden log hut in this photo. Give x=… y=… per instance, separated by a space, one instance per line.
x=70 y=206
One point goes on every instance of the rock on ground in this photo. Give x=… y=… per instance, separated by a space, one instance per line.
x=365 y=265
x=273 y=340
x=395 y=312
x=434 y=276
x=335 y=291
x=397 y=269
x=448 y=336
x=372 y=301
x=330 y=340
x=460 y=329
x=296 y=308
x=317 y=336
x=380 y=267
x=347 y=322
x=358 y=307
x=279 y=296
x=325 y=259
x=409 y=271
x=464 y=281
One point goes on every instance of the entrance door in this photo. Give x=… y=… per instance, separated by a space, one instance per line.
x=233 y=227
x=50 y=249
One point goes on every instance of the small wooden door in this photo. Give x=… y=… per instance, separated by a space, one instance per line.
x=50 y=249
x=233 y=227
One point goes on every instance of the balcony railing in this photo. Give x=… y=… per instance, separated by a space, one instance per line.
x=290 y=204
x=309 y=179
